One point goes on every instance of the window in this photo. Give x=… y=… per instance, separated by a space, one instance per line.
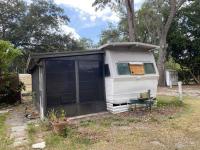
x=136 y=69
x=123 y=68
x=149 y=68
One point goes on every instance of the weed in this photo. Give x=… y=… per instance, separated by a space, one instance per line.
x=166 y=101
x=2 y=125
x=135 y=120
x=53 y=139
x=67 y=132
x=45 y=125
x=31 y=129
x=4 y=140
x=83 y=140
x=86 y=123
x=108 y=121
x=123 y=123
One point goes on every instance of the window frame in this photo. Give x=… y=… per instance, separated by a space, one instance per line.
x=136 y=63
x=154 y=69
x=117 y=67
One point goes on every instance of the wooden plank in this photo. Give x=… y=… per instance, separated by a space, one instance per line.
x=137 y=69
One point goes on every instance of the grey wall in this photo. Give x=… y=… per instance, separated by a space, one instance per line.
x=35 y=87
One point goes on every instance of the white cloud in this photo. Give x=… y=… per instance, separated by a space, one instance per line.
x=84 y=7
x=65 y=29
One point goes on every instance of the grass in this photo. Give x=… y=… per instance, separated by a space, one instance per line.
x=4 y=141
x=168 y=101
x=31 y=130
x=173 y=124
x=70 y=139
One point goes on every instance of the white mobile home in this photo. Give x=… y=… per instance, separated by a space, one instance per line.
x=83 y=82
x=132 y=71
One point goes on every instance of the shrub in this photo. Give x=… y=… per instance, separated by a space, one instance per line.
x=10 y=88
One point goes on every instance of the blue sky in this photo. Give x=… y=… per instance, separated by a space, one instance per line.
x=85 y=21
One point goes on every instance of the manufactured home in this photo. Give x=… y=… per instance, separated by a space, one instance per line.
x=91 y=81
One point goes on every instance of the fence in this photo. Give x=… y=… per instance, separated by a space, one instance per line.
x=26 y=79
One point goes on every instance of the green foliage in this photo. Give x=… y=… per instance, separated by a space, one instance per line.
x=111 y=34
x=171 y=64
x=36 y=27
x=52 y=115
x=10 y=88
x=85 y=43
x=59 y=115
x=184 y=40
x=149 y=21
x=7 y=54
x=67 y=132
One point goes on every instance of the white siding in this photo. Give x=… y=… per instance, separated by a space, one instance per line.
x=121 y=88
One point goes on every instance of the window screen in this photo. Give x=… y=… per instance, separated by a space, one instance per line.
x=123 y=68
x=107 y=70
x=149 y=68
x=137 y=69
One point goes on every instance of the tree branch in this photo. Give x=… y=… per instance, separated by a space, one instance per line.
x=169 y=19
x=180 y=3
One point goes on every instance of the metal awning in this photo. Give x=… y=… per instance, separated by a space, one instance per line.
x=132 y=45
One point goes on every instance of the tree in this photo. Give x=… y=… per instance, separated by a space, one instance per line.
x=112 y=34
x=120 y=5
x=11 y=12
x=35 y=27
x=183 y=40
x=153 y=21
x=85 y=43
x=174 y=6
x=7 y=55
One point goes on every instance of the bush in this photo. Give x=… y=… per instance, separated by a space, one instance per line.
x=10 y=88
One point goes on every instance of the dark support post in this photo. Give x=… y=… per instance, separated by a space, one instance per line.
x=149 y=98
x=77 y=81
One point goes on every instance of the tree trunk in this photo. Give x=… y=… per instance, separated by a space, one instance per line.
x=161 y=63
x=163 y=44
x=194 y=77
x=131 y=19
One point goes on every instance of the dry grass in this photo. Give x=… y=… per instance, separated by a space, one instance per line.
x=171 y=126
x=4 y=140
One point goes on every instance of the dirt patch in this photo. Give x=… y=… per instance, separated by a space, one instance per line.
x=188 y=90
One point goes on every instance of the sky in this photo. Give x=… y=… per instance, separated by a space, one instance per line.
x=85 y=22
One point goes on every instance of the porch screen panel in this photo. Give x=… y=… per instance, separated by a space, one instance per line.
x=60 y=82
